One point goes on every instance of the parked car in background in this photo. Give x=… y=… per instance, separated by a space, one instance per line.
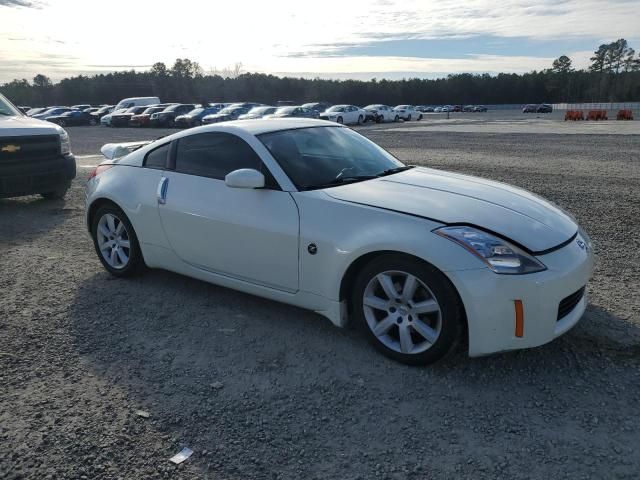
x=457 y=108
x=105 y=121
x=424 y=108
x=544 y=108
x=530 y=108
x=34 y=111
x=137 y=102
x=51 y=112
x=316 y=215
x=24 y=109
x=73 y=118
x=101 y=112
x=437 y=110
x=347 y=114
x=293 y=112
x=480 y=108
x=91 y=109
x=83 y=106
x=381 y=113
x=258 y=112
x=195 y=116
x=166 y=118
x=447 y=108
x=317 y=106
x=121 y=119
x=408 y=113
x=144 y=119
x=226 y=114
x=35 y=156
x=468 y=108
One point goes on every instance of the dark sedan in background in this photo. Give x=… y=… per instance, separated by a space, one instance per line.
x=51 y=112
x=122 y=119
x=195 y=116
x=144 y=119
x=71 y=119
x=317 y=106
x=293 y=112
x=227 y=114
x=101 y=112
x=167 y=117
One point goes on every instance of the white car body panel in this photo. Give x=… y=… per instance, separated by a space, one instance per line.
x=257 y=241
x=408 y=112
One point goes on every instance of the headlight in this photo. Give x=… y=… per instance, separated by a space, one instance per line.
x=498 y=254
x=65 y=145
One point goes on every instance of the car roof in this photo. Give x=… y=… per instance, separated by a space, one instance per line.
x=259 y=126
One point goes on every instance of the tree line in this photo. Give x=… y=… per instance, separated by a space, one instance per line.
x=613 y=76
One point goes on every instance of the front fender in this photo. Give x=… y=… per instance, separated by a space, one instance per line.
x=343 y=232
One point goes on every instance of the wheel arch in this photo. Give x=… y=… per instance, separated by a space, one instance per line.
x=97 y=204
x=352 y=271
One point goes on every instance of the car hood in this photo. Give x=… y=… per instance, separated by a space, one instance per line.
x=20 y=125
x=452 y=198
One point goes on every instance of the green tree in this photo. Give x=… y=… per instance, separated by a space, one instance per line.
x=562 y=64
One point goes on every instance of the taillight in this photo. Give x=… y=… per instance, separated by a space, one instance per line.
x=99 y=170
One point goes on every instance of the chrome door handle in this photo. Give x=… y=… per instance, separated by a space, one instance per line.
x=161 y=193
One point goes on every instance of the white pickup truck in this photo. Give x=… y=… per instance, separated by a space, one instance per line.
x=35 y=155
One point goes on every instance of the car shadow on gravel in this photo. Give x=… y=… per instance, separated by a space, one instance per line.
x=257 y=387
x=25 y=218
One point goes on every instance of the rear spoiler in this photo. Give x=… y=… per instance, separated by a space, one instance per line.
x=113 y=151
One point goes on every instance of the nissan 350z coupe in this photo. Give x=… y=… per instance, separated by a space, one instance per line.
x=313 y=214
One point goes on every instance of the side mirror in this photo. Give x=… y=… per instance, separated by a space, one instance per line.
x=244 y=178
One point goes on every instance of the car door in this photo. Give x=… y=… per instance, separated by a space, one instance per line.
x=248 y=234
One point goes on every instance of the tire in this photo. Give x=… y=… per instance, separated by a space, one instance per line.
x=359 y=119
x=340 y=120
x=409 y=118
x=418 y=330
x=62 y=123
x=57 y=194
x=419 y=117
x=396 y=119
x=120 y=230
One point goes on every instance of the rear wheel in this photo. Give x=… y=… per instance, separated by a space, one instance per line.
x=360 y=120
x=408 y=309
x=340 y=120
x=116 y=242
x=396 y=118
x=409 y=118
x=62 y=123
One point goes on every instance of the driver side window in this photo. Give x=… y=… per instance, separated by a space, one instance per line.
x=216 y=154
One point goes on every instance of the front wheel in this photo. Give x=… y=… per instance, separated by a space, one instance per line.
x=409 y=118
x=340 y=120
x=360 y=120
x=419 y=117
x=396 y=119
x=116 y=242
x=408 y=309
x=62 y=123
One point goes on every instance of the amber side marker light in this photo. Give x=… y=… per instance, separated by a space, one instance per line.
x=519 y=318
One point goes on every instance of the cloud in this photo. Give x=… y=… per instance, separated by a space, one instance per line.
x=19 y=3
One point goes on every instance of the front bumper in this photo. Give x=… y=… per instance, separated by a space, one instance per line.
x=36 y=176
x=489 y=298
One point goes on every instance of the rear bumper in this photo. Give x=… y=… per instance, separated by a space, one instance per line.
x=36 y=176
x=489 y=298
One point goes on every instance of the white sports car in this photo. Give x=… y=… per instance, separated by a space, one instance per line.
x=313 y=214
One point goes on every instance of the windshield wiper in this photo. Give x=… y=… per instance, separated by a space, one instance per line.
x=391 y=171
x=340 y=181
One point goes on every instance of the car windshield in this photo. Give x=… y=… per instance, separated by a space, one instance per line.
x=7 y=109
x=261 y=110
x=372 y=107
x=285 y=110
x=320 y=157
x=196 y=111
x=337 y=108
x=311 y=105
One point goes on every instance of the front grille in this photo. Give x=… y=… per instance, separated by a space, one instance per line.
x=34 y=147
x=569 y=303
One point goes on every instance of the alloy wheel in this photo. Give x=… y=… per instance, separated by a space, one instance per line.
x=402 y=312
x=113 y=241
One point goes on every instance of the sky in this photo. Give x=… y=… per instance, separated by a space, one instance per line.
x=359 y=39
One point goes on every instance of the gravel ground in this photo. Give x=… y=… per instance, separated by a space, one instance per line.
x=263 y=390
